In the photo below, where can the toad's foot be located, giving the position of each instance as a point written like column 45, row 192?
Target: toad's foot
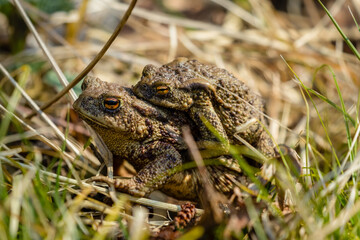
column 126, row 185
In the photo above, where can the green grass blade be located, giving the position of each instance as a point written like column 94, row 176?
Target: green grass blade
column 343, row 109
column 346, row 39
column 308, row 178
column 317, row 111
column 13, row 101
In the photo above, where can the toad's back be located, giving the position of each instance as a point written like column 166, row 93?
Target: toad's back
column 207, row 90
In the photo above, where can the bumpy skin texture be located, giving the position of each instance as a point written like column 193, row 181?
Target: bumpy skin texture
column 149, row 137
column 211, row 92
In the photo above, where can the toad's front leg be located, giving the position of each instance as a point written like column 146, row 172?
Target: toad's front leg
column 209, row 145
column 153, row 175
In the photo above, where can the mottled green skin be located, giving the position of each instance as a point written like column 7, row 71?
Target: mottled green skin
column 149, row 137
column 211, row 92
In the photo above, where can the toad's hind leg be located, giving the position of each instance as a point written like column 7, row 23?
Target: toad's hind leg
column 208, row 143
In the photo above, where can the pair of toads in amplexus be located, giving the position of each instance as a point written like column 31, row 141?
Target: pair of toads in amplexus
column 144, row 126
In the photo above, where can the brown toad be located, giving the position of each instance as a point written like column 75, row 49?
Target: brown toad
column 210, row 93
column 149, row 137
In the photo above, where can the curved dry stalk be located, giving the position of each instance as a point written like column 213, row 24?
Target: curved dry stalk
column 92, row 64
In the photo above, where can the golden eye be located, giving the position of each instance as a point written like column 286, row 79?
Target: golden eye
column 162, row 90
column 112, row 103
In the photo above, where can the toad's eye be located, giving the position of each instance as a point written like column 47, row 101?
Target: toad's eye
column 112, row 103
column 162, row 90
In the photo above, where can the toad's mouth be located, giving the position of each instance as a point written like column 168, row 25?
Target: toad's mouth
column 91, row 120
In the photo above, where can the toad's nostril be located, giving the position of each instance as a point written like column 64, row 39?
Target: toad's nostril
column 94, row 82
column 140, row 88
column 87, row 81
column 84, row 85
column 143, row 87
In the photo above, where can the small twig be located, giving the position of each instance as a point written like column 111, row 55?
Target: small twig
column 91, row 65
column 209, row 190
column 195, row 153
